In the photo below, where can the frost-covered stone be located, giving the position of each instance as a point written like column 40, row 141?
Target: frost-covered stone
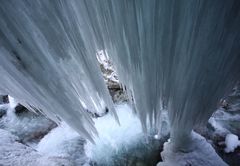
column 28, row 126
column 13, row 153
column 111, row 78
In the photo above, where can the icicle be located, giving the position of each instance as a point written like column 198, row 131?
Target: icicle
column 177, row 55
column 48, row 60
column 182, row 55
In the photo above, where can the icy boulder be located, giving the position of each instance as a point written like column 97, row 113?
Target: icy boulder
column 14, row 153
column 202, row 154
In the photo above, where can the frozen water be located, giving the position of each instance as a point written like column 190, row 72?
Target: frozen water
column 52, row 66
column 50, row 144
column 12, row 102
column 202, row 154
column 179, row 55
column 175, row 54
column 64, row 142
column 112, row 137
column 125, row 144
column 116, row 145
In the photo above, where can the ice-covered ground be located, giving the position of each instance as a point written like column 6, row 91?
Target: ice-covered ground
column 28, row 126
column 115, row 145
column 19, row 133
column 202, row 153
column 14, row 153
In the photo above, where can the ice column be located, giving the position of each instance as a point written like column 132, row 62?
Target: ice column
column 180, row 55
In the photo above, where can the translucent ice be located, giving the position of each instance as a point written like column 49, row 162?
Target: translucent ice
column 179, row 55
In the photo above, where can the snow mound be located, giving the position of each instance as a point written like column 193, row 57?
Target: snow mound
column 231, row 142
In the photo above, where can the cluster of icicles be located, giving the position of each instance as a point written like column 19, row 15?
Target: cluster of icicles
column 170, row 54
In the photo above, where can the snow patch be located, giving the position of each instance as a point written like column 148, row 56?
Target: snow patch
column 12, row 102
column 232, row 142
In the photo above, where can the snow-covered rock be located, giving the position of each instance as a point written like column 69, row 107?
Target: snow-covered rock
column 107, row 69
column 227, row 120
column 111, row 78
column 4, row 99
column 13, row 153
column 227, row 117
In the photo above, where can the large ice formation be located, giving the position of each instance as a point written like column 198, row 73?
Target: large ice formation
column 203, row 154
column 180, row 55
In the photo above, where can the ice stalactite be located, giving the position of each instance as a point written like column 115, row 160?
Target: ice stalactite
column 179, row 55
column 48, row 61
column 182, row 55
